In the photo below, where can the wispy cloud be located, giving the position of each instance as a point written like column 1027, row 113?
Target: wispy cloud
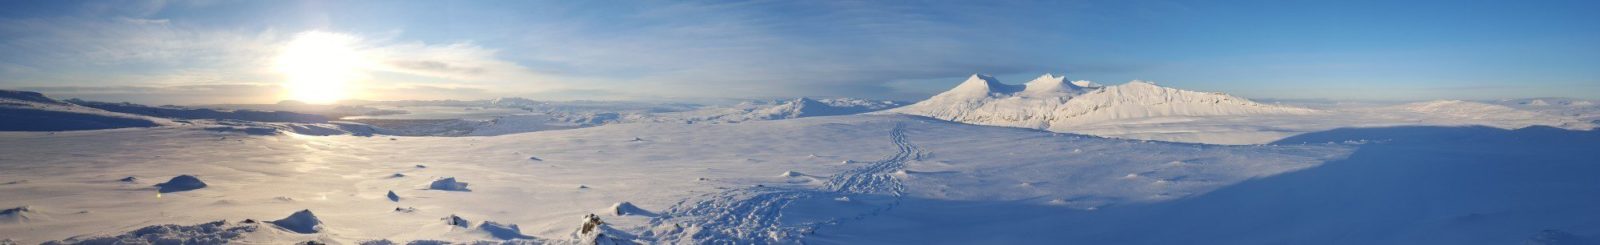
column 127, row 55
column 788, row 48
column 455, row 61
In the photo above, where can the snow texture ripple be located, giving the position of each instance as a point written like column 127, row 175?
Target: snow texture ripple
column 755, row 215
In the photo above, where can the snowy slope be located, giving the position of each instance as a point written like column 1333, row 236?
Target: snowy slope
column 31, row 111
column 1050, row 102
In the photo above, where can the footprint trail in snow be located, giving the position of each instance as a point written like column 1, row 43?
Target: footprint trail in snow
column 755, row 215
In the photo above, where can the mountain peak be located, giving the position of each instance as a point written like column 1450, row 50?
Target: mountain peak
column 1049, row 85
column 1142, row 83
column 981, row 85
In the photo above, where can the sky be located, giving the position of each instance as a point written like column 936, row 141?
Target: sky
column 214, row 52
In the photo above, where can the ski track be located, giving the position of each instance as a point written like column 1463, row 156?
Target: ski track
column 754, row 215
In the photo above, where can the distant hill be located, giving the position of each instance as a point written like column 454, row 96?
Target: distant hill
column 32, row 111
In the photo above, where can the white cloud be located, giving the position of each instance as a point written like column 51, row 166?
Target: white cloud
column 456, row 61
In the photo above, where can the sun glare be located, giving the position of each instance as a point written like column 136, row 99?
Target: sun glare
column 319, row 67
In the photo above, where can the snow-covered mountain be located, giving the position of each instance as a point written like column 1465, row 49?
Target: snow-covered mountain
column 775, row 110
column 1051, row 102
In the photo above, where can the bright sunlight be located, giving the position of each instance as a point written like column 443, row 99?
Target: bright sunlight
column 319, row 67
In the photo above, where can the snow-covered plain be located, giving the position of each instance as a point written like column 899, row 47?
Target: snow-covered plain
column 849, row 179
column 71, row 180
column 1438, row 172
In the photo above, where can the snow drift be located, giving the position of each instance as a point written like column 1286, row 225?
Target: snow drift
column 181, row 183
column 302, row 221
column 501, row 231
column 17, row 215
column 626, row 208
column 448, row 184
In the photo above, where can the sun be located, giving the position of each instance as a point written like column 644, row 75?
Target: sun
column 319, row 67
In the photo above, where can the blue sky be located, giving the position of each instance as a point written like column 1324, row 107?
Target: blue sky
column 192, row 52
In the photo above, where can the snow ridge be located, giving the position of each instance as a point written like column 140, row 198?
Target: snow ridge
column 32, row 111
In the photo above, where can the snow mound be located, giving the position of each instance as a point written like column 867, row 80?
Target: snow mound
column 181, row 183
column 454, row 220
column 502, row 231
column 32, row 111
column 216, row 232
column 626, row 208
column 16, row 215
column 791, row 174
column 303, row 222
column 448, row 184
column 1050, row 102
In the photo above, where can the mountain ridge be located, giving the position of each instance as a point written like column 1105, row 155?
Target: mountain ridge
column 1051, row 102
